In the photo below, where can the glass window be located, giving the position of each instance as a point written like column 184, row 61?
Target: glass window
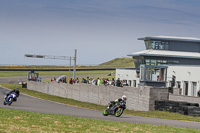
column 153, row 44
column 159, row 45
column 148, row 73
column 153, row 62
column 138, row 62
column 142, row 71
column 147, row 62
column 162, row 74
column 166, row 47
column 148, row 45
column 164, row 62
column 159, row 62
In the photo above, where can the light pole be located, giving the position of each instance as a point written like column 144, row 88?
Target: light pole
column 57, row 57
column 75, row 55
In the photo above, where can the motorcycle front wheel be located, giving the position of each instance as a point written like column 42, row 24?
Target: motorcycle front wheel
column 105, row 113
column 10, row 101
column 119, row 112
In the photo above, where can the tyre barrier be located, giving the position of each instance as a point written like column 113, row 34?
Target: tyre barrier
column 184, row 108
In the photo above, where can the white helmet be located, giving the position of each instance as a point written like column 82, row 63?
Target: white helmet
column 124, row 98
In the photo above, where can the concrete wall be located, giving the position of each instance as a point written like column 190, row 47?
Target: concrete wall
column 190, row 99
column 157, row 94
column 139, row 99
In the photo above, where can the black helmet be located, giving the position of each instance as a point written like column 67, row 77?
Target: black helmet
column 16, row 89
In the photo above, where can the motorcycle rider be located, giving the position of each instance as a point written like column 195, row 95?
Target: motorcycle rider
column 16, row 91
column 117, row 101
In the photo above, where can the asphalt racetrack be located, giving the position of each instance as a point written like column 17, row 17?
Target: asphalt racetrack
column 32, row 104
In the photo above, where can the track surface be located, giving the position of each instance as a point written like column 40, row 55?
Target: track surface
column 32, row 104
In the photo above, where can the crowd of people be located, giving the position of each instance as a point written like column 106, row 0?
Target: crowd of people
column 93, row 81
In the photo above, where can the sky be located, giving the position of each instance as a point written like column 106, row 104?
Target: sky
column 100, row 30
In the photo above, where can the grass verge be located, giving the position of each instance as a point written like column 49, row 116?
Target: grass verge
column 23, row 121
column 153, row 114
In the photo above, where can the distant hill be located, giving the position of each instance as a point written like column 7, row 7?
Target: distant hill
column 119, row 62
column 115, row 63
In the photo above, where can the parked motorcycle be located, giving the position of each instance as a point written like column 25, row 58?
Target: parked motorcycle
column 116, row 109
column 9, row 99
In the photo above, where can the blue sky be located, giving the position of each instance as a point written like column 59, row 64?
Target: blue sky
column 100, row 30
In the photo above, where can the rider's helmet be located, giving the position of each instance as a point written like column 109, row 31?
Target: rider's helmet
column 16, row 89
column 124, row 98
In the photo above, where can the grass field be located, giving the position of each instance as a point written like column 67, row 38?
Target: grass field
column 154, row 114
column 23, row 121
column 41, row 73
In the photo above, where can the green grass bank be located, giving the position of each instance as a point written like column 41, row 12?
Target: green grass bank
column 29, row 122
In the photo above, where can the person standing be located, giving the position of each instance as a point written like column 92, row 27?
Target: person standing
column 118, row 82
column 77, row 81
column 71, row 81
column 198, row 93
column 98, row 81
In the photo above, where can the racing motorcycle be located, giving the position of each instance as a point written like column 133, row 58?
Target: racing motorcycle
column 116, row 109
column 10, row 98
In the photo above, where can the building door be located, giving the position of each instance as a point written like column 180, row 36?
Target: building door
column 186, row 88
column 129, row 83
column 134, row 83
column 194, row 88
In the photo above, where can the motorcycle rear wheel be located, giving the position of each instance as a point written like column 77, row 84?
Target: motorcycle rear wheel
column 119, row 112
column 4, row 102
column 105, row 113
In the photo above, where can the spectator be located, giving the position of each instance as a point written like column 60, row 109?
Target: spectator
column 118, row 83
column 198, row 93
column 77, row 81
column 82, row 81
column 71, row 81
column 88, row 79
column 124, row 83
column 105, row 82
column 94, row 81
column 113, row 82
column 65, row 80
column 40, row 79
column 98, row 82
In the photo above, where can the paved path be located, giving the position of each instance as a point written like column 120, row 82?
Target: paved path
column 29, row 103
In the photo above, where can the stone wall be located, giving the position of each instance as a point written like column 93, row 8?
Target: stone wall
column 139, row 99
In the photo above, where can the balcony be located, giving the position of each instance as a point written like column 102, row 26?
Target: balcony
column 153, row 75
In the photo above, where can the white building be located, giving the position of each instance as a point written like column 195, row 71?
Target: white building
column 167, row 61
